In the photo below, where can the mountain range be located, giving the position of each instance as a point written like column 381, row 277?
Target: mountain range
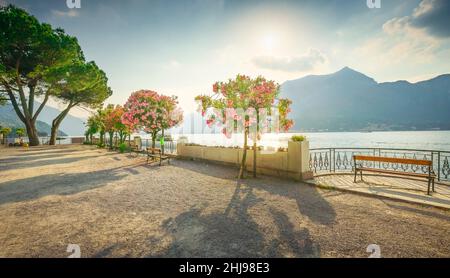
column 348, row 100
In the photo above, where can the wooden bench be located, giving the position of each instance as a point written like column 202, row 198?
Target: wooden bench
column 156, row 154
column 134, row 148
column 430, row 176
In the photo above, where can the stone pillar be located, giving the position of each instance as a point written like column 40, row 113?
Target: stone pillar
column 138, row 142
column 180, row 146
column 298, row 160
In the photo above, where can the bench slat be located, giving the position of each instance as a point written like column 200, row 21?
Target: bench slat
column 394, row 160
column 395, row 172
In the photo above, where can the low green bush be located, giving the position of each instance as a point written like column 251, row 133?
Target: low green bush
column 122, row 148
column 298, row 138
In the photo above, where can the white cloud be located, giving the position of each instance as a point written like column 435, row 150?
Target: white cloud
column 404, row 44
column 69, row 13
column 431, row 16
column 305, row 62
column 424, row 7
column 172, row 64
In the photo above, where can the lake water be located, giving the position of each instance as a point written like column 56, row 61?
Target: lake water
column 425, row 140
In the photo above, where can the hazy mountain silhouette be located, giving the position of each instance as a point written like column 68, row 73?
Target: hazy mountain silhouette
column 70, row 126
column 348, row 100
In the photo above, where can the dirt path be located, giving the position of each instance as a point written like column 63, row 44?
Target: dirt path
column 113, row 205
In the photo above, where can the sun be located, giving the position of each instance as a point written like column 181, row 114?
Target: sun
column 269, row 41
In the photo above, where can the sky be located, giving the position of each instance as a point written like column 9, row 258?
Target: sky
column 181, row 47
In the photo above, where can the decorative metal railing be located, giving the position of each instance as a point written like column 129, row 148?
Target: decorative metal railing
column 169, row 146
column 333, row 160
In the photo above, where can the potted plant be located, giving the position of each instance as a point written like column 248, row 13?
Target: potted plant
column 298, row 138
column 20, row 132
column 298, row 141
column 5, row 131
column 298, row 146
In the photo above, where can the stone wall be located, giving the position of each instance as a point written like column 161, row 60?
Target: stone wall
column 293, row 164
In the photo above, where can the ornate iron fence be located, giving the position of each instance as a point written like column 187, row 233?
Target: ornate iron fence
column 333, row 160
column 169, row 146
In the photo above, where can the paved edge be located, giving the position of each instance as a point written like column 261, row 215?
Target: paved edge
column 379, row 195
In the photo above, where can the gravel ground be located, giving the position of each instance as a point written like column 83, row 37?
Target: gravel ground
column 114, row 205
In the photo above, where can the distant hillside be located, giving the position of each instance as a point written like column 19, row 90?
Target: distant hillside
column 348, row 100
column 70, row 126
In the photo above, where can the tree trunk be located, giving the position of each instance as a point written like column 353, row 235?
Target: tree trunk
column 153, row 141
column 111, row 135
column 102, row 138
column 120, row 137
column 25, row 111
column 129, row 142
column 255, row 147
column 32, row 133
column 244, row 155
column 162, row 145
column 57, row 122
column 53, row 134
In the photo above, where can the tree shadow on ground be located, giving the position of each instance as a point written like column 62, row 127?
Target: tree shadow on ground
column 290, row 240
column 27, row 155
column 196, row 234
column 310, row 201
column 51, row 151
column 233, row 233
column 43, row 162
column 57, row 184
column 26, row 158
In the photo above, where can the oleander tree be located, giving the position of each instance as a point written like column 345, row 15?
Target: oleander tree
column 151, row 112
column 121, row 129
column 108, row 121
column 248, row 105
column 96, row 124
column 92, row 127
column 113, row 123
column 170, row 116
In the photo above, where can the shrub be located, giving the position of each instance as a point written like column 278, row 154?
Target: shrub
column 122, row 148
column 298, row 138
